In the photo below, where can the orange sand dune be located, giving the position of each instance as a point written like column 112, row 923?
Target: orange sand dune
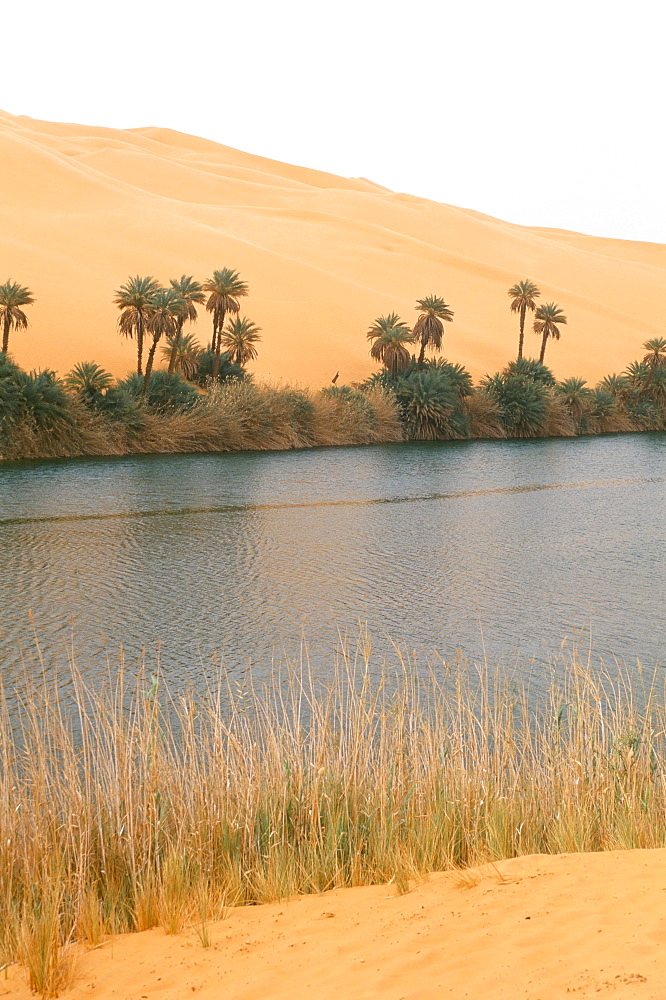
column 535, row 928
column 82, row 208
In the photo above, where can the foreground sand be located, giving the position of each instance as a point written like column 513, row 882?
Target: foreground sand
column 540, row 927
column 83, row 207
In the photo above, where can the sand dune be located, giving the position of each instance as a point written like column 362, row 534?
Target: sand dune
column 534, row 928
column 82, row 208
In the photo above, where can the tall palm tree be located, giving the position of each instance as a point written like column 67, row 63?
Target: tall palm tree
column 12, row 317
column 192, row 294
column 655, row 358
column 523, row 297
column 239, row 339
column 390, row 335
column 225, row 288
column 429, row 328
column 134, row 300
column 182, row 352
column 162, row 321
column 548, row 319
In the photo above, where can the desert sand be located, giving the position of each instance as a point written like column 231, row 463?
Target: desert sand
column 83, row 208
column 538, row 928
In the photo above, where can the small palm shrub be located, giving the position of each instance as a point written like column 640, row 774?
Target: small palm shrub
column 10, row 394
column 166, row 392
column 523, row 403
column 606, row 415
column 94, row 388
column 530, row 368
column 88, row 380
column 228, row 370
column 431, row 406
column 577, row 397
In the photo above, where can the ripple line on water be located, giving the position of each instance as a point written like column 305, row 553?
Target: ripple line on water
column 363, row 502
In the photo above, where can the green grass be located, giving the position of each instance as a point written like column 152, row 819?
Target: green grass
column 130, row 808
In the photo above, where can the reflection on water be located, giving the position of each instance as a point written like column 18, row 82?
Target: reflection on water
column 511, row 547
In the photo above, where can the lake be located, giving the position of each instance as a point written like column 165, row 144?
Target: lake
column 510, row 548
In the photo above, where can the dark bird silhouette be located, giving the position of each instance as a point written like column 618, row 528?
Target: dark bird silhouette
column 335, row 378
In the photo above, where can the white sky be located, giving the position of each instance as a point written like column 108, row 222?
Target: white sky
column 538, row 113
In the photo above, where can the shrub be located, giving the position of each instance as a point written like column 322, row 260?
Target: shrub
column 530, row 368
column 430, row 406
column 577, row 398
column 166, row 392
column 228, row 370
column 523, row 403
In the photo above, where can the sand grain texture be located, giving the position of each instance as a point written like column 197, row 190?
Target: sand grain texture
column 82, row 208
column 538, row 928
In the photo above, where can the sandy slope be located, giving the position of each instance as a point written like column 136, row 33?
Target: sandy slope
column 535, row 928
column 82, row 208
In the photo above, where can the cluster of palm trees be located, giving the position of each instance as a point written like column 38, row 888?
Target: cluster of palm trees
column 392, row 338
column 150, row 312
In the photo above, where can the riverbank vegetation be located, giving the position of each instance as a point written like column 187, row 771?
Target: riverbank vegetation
column 206, row 400
column 133, row 807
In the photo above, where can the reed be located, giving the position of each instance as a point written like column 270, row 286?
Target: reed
column 134, row 806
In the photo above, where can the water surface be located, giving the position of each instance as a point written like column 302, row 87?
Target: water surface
column 508, row 547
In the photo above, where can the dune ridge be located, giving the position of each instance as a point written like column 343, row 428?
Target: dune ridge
column 83, row 207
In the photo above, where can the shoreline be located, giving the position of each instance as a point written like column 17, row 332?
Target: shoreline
column 537, row 925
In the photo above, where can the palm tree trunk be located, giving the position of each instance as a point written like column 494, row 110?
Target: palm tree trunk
column 139, row 344
column 5, row 333
column 174, row 349
column 218, row 344
column 543, row 346
column 149, row 366
column 522, row 331
column 422, row 353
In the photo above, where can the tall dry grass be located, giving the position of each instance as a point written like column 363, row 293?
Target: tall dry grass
column 235, row 416
column 131, row 807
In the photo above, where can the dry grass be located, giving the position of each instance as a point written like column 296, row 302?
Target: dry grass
column 130, row 808
column 485, row 415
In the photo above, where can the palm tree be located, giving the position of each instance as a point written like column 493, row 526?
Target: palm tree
column 548, row 319
column 182, row 352
column 162, row 321
column 239, row 339
column 655, row 358
column 134, row 300
column 225, row 288
column 192, row 294
column 12, row 297
column 429, row 328
column 523, row 295
column 390, row 335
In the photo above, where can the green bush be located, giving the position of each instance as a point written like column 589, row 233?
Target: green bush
column 523, row 403
column 228, row 370
column 430, row 405
column 530, row 368
column 166, row 391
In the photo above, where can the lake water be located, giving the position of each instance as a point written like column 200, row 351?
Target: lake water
column 508, row 547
